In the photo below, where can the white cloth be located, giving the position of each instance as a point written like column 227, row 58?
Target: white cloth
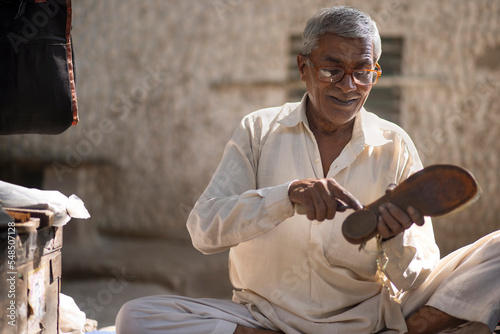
column 71, row 318
column 301, row 277
column 64, row 208
column 182, row 315
column 465, row 284
column 304, row 276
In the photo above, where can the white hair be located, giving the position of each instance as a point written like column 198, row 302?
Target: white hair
column 343, row 21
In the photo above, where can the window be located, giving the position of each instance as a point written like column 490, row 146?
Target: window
column 385, row 100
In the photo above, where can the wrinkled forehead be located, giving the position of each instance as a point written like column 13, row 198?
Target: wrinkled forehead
column 337, row 49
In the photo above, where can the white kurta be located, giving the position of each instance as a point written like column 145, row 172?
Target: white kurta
column 303, row 276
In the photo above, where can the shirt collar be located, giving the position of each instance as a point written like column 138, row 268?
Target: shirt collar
column 366, row 129
column 294, row 113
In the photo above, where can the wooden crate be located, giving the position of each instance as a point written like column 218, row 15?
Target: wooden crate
column 30, row 283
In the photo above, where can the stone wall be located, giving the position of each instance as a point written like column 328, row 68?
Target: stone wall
column 162, row 85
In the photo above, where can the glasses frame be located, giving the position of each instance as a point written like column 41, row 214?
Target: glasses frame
column 377, row 70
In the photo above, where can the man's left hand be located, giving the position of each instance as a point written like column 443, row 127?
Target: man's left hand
column 394, row 220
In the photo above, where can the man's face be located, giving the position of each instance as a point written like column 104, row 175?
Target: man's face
column 335, row 104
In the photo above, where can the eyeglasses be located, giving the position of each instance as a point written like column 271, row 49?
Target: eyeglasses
column 335, row 74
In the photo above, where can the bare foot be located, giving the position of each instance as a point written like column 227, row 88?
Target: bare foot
column 430, row 320
column 247, row 330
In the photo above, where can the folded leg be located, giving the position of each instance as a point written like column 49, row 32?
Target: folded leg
column 176, row 314
column 464, row 285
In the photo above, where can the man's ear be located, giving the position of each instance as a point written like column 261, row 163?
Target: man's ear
column 301, row 64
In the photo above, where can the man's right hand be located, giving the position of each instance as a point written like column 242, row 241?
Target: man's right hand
column 319, row 197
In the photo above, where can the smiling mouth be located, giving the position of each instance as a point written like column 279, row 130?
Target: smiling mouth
column 344, row 101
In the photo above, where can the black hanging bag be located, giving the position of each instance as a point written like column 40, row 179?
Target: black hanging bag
column 37, row 79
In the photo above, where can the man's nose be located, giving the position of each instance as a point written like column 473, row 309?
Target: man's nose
column 347, row 83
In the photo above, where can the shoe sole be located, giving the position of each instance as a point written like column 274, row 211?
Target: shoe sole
column 435, row 191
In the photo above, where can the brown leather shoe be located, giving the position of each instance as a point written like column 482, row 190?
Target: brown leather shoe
column 434, row 191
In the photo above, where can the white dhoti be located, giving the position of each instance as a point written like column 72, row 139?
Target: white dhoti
column 182, row 315
column 465, row 284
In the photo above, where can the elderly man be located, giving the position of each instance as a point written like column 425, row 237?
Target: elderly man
column 296, row 273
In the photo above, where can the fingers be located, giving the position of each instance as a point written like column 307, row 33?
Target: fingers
column 311, row 194
column 415, row 216
column 393, row 220
column 321, row 198
column 344, row 195
column 323, row 206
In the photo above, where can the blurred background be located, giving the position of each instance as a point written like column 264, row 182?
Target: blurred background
column 162, row 84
